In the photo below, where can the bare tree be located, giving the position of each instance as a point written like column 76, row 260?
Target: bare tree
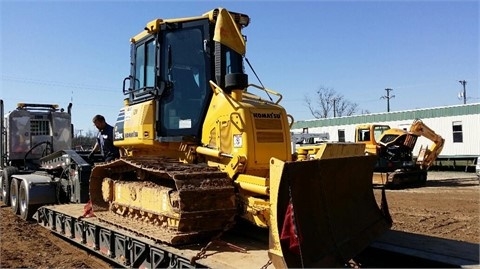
column 322, row 105
column 328, row 102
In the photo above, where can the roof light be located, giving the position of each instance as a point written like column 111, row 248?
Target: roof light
column 241, row 19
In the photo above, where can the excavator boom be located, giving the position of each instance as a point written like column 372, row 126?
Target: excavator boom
column 426, row 157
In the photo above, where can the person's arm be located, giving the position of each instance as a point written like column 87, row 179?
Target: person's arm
column 95, row 148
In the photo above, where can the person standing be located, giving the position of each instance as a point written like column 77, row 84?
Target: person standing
column 104, row 140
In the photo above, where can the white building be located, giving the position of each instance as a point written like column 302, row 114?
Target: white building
column 459, row 125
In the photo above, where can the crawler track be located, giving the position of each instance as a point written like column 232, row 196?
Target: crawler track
column 163, row 199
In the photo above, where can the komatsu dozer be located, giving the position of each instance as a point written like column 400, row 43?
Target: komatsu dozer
column 201, row 151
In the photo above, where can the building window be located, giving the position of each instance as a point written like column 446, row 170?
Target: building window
column 457, row 132
column 341, row 135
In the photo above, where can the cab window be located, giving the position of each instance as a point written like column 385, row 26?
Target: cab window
column 144, row 67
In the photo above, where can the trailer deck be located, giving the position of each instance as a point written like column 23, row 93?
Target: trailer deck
column 237, row 250
column 128, row 249
column 444, row 252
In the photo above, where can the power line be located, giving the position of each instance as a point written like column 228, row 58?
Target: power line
column 56, row 83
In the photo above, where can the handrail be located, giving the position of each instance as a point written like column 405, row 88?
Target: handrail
column 268, row 91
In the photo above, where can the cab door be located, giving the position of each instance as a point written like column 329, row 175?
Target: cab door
column 185, row 71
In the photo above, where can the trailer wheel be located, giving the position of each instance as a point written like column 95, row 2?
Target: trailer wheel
column 14, row 196
column 26, row 210
column 6, row 179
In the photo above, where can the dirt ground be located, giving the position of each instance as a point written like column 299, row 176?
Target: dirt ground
column 448, row 207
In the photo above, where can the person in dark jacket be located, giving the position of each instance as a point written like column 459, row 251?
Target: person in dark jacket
column 104, row 140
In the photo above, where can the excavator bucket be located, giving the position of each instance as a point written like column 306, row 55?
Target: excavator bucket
column 323, row 211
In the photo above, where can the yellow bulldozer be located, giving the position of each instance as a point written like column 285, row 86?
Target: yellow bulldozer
column 202, row 152
column 393, row 147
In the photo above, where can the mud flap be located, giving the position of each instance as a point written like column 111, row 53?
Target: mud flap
column 335, row 212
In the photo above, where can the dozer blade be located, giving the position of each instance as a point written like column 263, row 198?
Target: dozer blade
column 335, row 213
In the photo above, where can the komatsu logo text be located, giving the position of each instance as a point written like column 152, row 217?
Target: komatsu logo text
column 267, row 115
column 132, row 134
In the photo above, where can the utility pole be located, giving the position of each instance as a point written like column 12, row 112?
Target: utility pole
column 463, row 82
column 332, row 101
column 334, row 107
column 388, row 97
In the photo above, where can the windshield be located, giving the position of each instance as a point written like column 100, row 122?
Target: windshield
column 185, row 69
column 378, row 131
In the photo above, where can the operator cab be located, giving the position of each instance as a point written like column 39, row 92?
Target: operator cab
column 364, row 132
column 172, row 63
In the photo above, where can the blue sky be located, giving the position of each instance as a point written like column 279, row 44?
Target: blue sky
column 62, row 51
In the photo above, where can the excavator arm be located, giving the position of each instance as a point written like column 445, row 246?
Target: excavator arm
column 427, row 156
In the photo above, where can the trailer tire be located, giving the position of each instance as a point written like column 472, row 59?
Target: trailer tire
column 26, row 210
column 6, row 179
column 14, row 196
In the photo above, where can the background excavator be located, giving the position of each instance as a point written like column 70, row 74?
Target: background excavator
column 203, row 156
column 394, row 148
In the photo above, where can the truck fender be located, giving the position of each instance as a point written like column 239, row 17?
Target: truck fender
column 39, row 189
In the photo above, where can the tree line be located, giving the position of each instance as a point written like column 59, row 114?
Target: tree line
column 84, row 142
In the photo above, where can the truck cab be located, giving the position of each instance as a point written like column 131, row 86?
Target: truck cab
column 33, row 131
column 37, row 164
